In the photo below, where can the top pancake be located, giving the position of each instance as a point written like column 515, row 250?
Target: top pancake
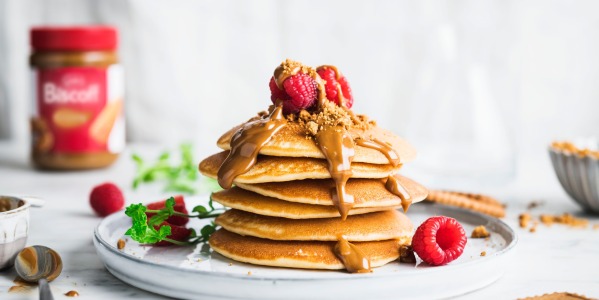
column 277, row 169
column 291, row 141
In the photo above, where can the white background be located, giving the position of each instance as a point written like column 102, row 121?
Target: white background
column 513, row 75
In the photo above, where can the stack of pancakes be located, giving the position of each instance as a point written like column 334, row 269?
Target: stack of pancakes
column 283, row 211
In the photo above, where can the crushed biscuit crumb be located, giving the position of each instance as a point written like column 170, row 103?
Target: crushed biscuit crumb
column 330, row 114
column 570, row 148
column 524, row 219
column 546, row 219
column 564, row 219
column 556, row 295
column 484, row 253
column 480, row 232
column 249, row 273
column 120, row 244
column 534, row 204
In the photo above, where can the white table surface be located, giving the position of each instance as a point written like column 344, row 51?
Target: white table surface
column 552, row 259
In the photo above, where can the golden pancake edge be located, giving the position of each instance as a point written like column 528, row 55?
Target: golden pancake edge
column 241, row 199
column 366, row 192
column 298, row 254
column 276, row 169
column 382, row 225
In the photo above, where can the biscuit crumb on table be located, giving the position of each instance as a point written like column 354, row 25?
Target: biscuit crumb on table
column 534, row 204
column 557, row 296
column 524, row 218
column 565, row 219
column 548, row 220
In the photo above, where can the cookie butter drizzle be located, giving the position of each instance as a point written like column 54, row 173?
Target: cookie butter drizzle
column 337, row 145
column 382, row 147
column 246, row 143
column 352, row 257
column 338, row 148
column 394, row 186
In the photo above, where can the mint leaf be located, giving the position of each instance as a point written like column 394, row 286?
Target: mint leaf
column 200, row 209
column 142, row 230
column 208, row 230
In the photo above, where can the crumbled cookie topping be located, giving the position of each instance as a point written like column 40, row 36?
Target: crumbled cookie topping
column 329, row 114
column 480, row 232
column 569, row 147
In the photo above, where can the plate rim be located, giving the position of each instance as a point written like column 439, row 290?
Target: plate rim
column 115, row 251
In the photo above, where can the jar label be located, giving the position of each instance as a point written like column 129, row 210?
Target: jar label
column 79, row 110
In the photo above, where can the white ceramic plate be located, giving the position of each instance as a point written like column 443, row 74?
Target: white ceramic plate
column 195, row 272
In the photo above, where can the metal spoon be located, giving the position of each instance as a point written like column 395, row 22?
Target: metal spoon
column 39, row 264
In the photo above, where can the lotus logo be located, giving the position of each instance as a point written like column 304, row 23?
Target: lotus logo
column 72, row 80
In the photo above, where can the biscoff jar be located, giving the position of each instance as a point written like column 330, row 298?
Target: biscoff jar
column 78, row 89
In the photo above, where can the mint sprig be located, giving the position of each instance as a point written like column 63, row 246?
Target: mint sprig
column 151, row 231
column 179, row 176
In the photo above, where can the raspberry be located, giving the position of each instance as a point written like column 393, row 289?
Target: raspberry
column 179, row 206
column 333, row 85
column 178, row 233
column 106, row 199
column 439, row 240
column 299, row 92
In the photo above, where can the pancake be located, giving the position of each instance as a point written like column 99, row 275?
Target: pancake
column 276, row 169
column 376, row 226
column 366, row 192
column 291, row 141
column 267, row 206
column 298, row 254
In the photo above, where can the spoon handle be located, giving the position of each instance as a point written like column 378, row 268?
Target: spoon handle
column 45, row 292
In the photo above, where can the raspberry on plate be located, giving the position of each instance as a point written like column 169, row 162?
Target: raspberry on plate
column 178, row 233
column 106, row 198
column 179, row 207
column 336, row 83
column 439, row 240
column 299, row 92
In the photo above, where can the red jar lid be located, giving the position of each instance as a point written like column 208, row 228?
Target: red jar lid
column 80, row 38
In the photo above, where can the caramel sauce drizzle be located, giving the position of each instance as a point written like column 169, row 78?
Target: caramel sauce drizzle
column 18, row 288
column 72, row 293
column 382, row 147
column 394, row 186
column 340, row 98
column 338, row 148
column 246, row 143
column 352, row 257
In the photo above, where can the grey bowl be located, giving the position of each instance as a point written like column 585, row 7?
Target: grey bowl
column 579, row 176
